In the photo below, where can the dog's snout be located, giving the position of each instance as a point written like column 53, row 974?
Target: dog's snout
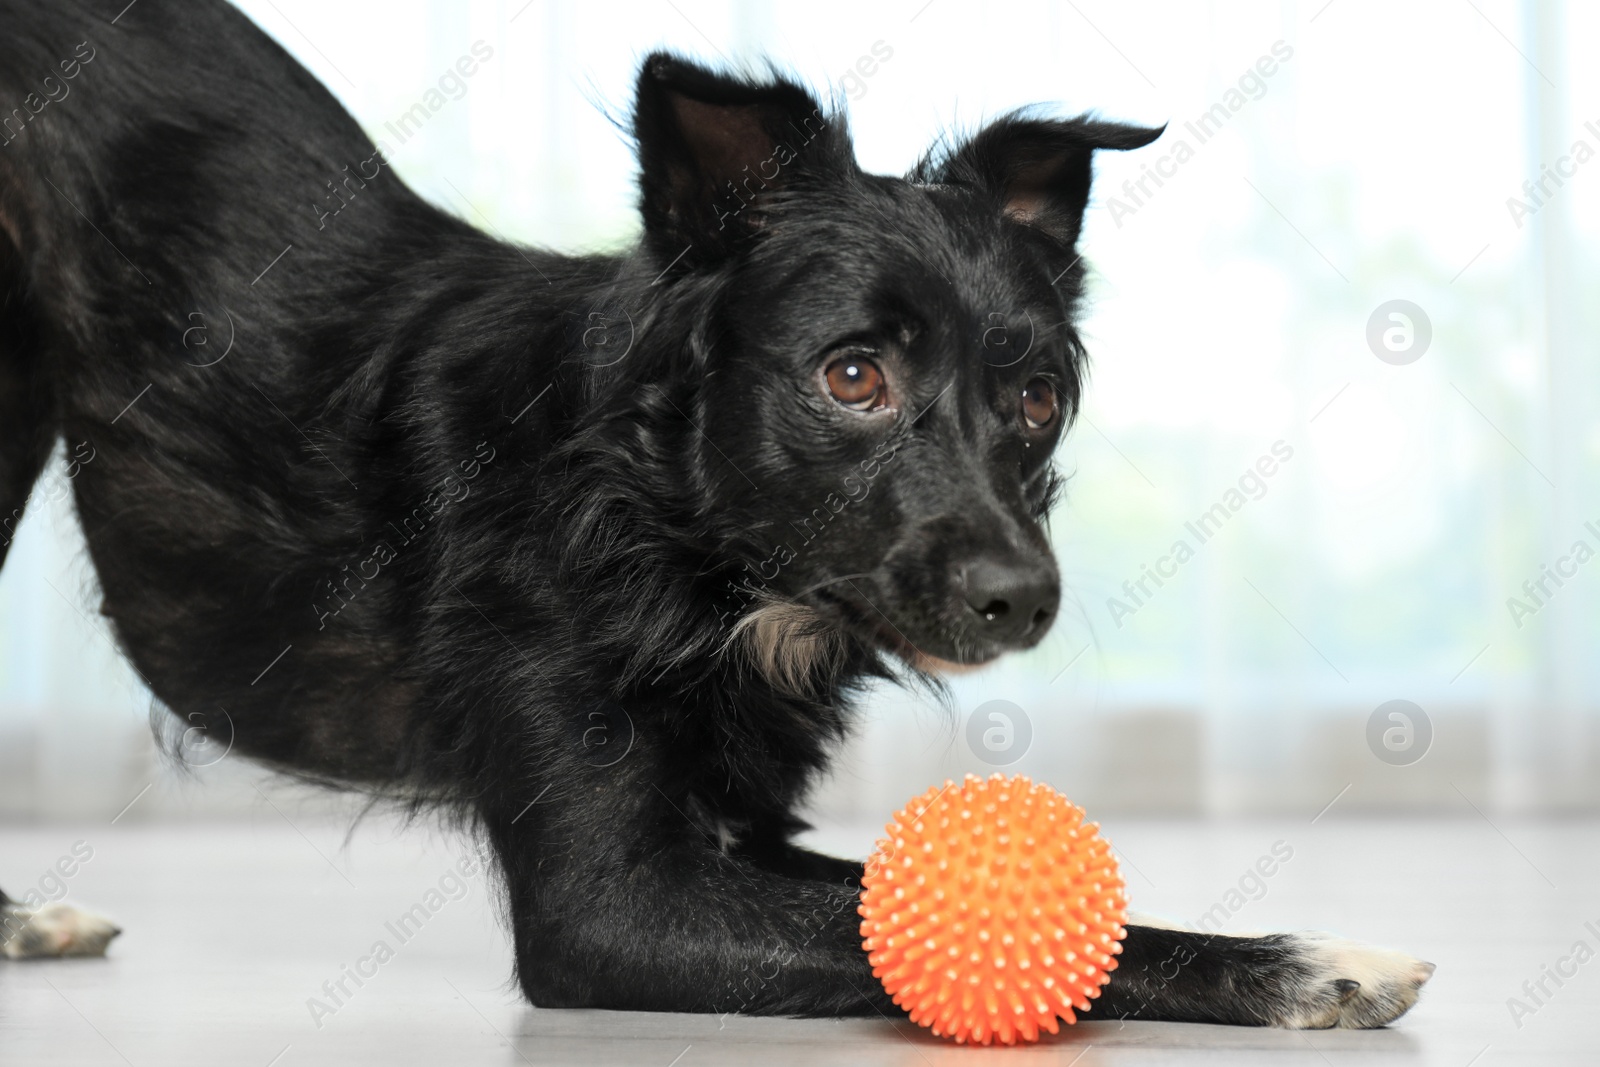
column 1011, row 599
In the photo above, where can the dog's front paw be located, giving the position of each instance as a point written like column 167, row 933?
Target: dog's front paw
column 53, row 929
column 1348, row 985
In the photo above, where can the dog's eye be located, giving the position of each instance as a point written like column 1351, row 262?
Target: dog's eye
column 856, row 383
column 1039, row 404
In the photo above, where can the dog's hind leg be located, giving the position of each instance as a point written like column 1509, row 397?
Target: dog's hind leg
column 28, row 422
column 50, row 930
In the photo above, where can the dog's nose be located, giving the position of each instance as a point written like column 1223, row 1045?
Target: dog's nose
column 1010, row 600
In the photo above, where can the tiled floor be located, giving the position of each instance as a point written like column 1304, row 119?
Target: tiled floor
column 233, row 928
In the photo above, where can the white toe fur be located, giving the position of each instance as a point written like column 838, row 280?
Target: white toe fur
column 1386, row 984
column 53, row 930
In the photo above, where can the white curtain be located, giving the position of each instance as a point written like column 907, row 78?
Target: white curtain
column 1367, row 519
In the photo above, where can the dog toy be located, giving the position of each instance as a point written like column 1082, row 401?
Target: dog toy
column 991, row 909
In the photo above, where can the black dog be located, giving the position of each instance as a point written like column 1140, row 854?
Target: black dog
column 589, row 551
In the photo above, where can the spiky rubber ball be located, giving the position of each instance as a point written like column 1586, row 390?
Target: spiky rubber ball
column 990, row 910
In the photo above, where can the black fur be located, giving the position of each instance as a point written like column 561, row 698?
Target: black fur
column 576, row 548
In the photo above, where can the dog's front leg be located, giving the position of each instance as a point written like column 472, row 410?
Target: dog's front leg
column 620, row 898
column 1299, row 981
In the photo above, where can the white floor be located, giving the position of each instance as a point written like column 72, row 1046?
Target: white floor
column 233, row 927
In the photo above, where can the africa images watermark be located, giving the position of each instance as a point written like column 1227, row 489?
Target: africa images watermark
column 853, row 81
column 344, row 189
column 54, row 91
column 1251, row 85
column 1538, row 192
column 1399, row 732
column 1137, row 592
column 1399, row 332
column 342, row 194
column 49, row 491
column 452, row 85
column 1251, row 885
column 52, row 886
column 750, row 587
column 999, row 733
column 1537, row 591
column 451, row 886
column 819, row 921
column 345, row 585
column 739, row 195
column 1536, row 992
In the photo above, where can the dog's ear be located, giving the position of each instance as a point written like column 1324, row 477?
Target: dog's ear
column 713, row 150
column 1038, row 170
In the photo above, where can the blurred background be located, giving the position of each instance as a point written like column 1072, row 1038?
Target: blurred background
column 1336, row 488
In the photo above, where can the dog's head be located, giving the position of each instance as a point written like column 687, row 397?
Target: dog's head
column 889, row 364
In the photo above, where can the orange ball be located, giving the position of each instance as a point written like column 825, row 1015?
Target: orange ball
column 991, row 909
